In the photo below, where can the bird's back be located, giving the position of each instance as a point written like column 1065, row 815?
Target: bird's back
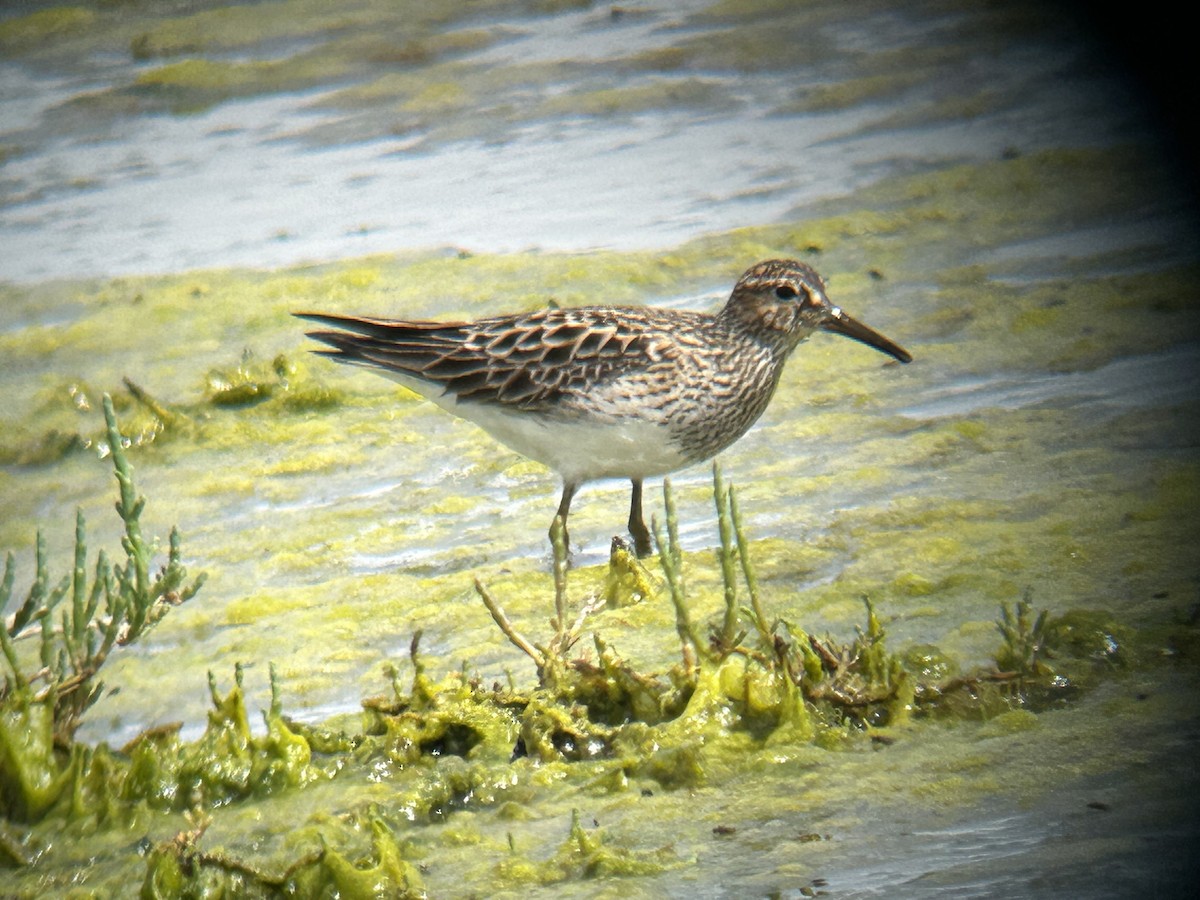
column 536, row 361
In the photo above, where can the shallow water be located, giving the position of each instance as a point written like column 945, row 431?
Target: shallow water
column 1003, row 184
column 1169, row 378
column 158, row 193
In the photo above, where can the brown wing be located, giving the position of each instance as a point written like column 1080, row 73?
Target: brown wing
column 531, row 361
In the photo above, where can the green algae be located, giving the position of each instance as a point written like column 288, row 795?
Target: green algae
column 289, row 22
column 190, row 85
column 408, row 67
column 44, row 26
column 238, row 26
column 825, row 98
column 667, row 732
column 628, row 581
column 411, row 69
column 32, row 781
column 180, row 868
column 241, row 50
column 658, row 94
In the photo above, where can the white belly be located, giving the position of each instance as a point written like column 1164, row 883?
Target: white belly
column 582, row 451
column 579, row 450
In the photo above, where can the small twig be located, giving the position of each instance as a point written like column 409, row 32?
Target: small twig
column 506, row 626
column 829, row 660
column 755, row 655
column 589, row 607
column 162, row 413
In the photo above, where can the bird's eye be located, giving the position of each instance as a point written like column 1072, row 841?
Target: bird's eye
column 785, row 292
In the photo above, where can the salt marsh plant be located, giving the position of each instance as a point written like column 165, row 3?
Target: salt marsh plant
column 767, row 672
column 56, row 642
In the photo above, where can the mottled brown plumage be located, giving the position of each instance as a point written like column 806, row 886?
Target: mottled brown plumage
column 599, row 392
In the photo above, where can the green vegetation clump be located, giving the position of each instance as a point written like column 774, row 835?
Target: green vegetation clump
column 280, row 385
column 179, row 868
column 43, row 698
column 254, row 381
column 749, row 671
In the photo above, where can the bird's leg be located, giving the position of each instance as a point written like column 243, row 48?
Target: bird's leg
column 637, row 525
column 564, row 507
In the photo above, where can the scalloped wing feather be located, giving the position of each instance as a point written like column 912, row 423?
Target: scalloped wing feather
column 531, row 361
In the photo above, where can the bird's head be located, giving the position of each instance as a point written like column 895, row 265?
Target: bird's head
column 785, row 301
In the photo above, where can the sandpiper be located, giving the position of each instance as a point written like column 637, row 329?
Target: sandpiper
column 605, row 392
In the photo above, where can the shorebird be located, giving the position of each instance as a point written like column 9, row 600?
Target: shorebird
column 609, row 392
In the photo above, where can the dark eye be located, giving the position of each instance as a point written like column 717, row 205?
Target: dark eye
column 785, row 292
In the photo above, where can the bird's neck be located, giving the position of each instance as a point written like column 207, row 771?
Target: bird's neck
column 775, row 332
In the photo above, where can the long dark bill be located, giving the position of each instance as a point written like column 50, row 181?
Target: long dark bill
column 840, row 323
